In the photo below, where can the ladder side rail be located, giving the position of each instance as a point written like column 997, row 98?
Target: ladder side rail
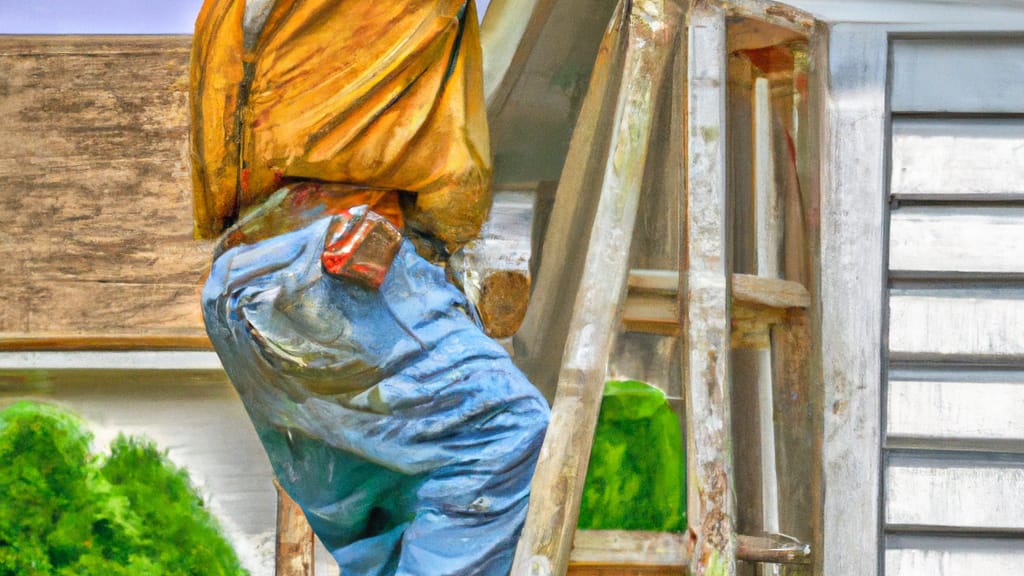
column 705, row 307
column 557, row 488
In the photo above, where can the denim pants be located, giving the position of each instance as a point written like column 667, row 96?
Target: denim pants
column 406, row 435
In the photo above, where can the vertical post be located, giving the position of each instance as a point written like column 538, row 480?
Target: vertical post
column 705, row 287
column 768, row 224
column 294, row 539
column 853, row 87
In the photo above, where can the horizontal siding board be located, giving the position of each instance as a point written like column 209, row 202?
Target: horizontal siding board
column 957, row 158
column 966, row 75
column 957, row 238
column 973, row 323
column 954, row 492
column 977, row 412
column 949, row 555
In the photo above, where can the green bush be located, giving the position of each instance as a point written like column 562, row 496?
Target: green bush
column 68, row 512
column 635, row 478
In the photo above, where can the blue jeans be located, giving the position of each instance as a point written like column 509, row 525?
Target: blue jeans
column 406, row 435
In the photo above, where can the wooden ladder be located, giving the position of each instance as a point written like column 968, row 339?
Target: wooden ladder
column 647, row 65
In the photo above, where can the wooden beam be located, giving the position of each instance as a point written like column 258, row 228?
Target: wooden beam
column 748, row 290
column 546, row 540
column 705, row 312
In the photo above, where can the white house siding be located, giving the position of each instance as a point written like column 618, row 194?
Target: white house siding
column 953, row 453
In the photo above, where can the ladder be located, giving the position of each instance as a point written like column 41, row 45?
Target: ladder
column 658, row 58
column 643, row 69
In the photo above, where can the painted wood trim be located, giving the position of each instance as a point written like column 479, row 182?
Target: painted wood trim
column 100, row 342
column 705, row 312
column 557, row 486
column 853, row 212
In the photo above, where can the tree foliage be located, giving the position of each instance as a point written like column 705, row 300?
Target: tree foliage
column 69, row 512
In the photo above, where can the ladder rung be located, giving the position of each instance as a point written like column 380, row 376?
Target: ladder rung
column 771, row 292
column 623, row 548
column 757, row 303
column 668, row 553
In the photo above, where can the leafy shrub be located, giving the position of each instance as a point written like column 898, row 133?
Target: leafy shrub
column 68, row 512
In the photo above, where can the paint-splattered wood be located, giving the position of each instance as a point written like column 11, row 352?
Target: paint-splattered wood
column 796, row 359
column 705, row 312
column 776, row 13
column 649, row 33
column 627, row 552
column 94, row 189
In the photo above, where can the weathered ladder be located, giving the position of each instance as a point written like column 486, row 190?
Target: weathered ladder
column 641, row 52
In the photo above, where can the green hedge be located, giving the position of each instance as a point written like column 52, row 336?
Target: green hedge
column 68, row 512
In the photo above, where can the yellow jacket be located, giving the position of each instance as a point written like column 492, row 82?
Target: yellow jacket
column 369, row 93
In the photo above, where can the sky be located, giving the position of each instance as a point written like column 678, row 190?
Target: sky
column 98, row 16
column 103, row 16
